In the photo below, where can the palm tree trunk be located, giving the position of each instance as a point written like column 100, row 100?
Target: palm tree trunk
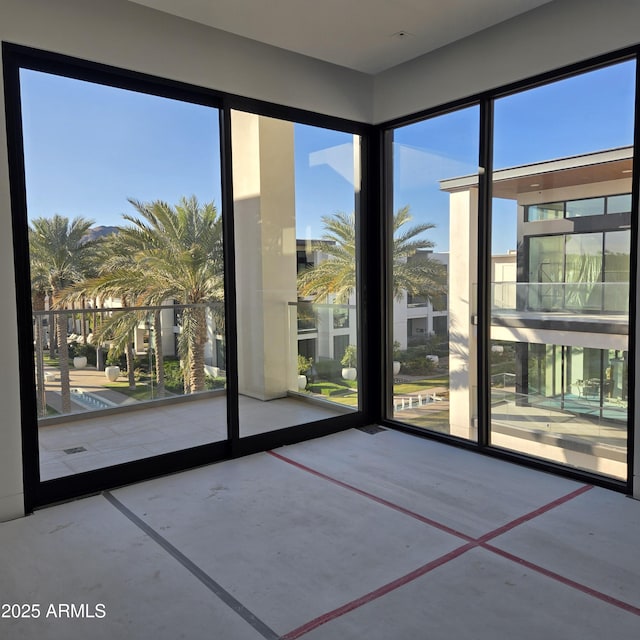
column 130, row 372
column 129, row 355
column 63, row 362
column 40, row 391
column 53, row 330
column 157, row 345
column 197, row 341
column 83, row 328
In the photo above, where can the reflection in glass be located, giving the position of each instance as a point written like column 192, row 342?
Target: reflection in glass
column 432, row 377
column 296, row 191
column 587, row 207
column 548, row 211
column 560, row 287
column 619, row 204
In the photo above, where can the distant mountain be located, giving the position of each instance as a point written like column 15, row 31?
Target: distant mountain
column 100, row 232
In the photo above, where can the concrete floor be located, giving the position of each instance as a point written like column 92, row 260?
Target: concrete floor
column 380, row 536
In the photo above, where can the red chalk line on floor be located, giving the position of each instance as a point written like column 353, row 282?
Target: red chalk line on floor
column 472, row 543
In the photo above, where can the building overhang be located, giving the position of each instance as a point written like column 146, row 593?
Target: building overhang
column 602, row 166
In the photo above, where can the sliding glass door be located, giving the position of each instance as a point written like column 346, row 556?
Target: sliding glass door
column 508, row 288
column 189, row 274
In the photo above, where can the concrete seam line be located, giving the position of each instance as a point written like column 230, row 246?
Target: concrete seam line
column 195, row 570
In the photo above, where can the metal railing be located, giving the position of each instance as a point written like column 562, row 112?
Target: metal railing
column 103, row 358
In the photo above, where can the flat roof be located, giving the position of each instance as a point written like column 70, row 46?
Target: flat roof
column 601, row 166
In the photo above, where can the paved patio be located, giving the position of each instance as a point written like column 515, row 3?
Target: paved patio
column 89, row 440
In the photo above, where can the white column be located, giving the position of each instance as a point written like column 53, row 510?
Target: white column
column 463, row 240
column 265, row 244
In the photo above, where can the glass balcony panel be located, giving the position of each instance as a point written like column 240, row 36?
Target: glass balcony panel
column 574, row 412
column 129, row 387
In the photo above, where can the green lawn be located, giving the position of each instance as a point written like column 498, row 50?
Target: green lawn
column 142, row 391
column 343, row 392
column 421, row 385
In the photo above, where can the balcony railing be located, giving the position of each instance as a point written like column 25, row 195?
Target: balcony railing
column 576, row 297
column 98, row 376
column 122, row 356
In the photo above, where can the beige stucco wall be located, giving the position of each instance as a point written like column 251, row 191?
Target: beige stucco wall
column 265, row 245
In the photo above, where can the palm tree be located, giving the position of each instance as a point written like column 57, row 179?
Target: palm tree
column 60, row 255
column 170, row 253
column 414, row 270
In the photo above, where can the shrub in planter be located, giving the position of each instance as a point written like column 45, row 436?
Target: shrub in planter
column 328, row 369
column 83, row 350
column 349, row 362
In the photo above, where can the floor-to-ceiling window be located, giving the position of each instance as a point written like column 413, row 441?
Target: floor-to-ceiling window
column 296, row 190
column 124, row 215
column 194, row 273
column 433, row 235
column 559, row 318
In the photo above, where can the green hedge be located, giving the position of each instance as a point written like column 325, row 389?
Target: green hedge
column 328, row 369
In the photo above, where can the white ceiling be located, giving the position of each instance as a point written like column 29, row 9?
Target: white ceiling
column 359, row 34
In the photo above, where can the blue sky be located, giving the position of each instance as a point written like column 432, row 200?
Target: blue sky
column 89, row 147
column 582, row 114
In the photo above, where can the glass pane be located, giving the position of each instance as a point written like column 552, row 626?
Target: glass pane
column 588, row 207
column 435, row 200
column 125, row 236
column 583, row 271
column 549, row 211
column 296, row 191
column 617, row 246
column 546, row 271
column 619, row 204
column 559, row 320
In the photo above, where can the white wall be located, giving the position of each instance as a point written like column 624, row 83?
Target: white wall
column 11, row 496
column 134, row 37
column 556, row 34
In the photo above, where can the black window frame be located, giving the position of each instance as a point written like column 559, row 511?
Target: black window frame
column 39, row 493
column 486, row 101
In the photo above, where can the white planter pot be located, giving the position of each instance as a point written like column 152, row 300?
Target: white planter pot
column 302, row 382
column 80, row 362
column 112, row 373
column 396, row 367
column 349, row 373
column 434, row 359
